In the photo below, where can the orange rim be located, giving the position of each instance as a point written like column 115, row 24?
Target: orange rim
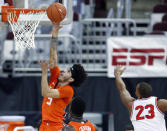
column 4, row 13
column 6, row 10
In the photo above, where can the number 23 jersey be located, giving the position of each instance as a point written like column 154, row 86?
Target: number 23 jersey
column 146, row 116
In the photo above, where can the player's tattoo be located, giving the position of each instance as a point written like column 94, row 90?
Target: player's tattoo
column 54, row 42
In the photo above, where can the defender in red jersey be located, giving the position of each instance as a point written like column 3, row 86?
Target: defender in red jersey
column 147, row 111
column 59, row 91
column 77, row 123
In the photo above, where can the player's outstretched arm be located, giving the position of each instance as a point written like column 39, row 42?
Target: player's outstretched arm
column 162, row 104
column 46, row 91
column 53, row 44
column 124, row 94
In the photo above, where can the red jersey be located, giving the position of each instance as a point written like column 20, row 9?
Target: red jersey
column 53, row 108
column 82, row 126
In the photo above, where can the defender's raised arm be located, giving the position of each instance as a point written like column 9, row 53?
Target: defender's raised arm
column 126, row 98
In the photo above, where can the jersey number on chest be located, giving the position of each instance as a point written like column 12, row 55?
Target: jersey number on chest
column 150, row 112
column 49, row 102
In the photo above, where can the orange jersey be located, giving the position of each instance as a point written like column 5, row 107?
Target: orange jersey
column 53, row 108
column 50, row 126
column 82, row 126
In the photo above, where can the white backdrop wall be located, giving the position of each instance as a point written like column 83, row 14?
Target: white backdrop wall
column 142, row 56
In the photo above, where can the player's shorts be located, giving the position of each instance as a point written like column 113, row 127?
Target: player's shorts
column 50, row 126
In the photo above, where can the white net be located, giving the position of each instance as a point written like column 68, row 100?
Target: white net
column 24, row 28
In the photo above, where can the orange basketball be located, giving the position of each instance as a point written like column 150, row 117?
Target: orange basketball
column 56, row 12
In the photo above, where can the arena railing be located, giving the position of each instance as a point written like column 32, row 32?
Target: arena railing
column 88, row 49
column 25, row 62
column 109, row 22
column 94, row 35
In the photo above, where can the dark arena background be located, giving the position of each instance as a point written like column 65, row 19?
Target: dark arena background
column 102, row 34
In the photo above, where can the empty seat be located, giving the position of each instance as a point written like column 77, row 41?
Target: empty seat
column 87, row 2
column 75, row 16
column 161, row 8
column 160, row 27
column 10, row 2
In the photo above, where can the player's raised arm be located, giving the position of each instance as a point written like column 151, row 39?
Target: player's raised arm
column 124, row 94
column 53, row 44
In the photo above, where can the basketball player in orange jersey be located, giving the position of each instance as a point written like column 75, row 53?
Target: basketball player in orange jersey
column 77, row 123
column 146, row 112
column 59, row 91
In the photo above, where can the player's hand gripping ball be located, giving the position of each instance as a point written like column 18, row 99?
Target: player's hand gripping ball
column 56, row 12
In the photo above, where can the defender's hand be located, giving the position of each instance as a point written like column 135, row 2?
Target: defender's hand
column 119, row 70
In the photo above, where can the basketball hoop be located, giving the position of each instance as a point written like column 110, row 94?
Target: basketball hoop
column 24, row 23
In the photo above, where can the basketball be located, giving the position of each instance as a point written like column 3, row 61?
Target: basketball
column 56, row 12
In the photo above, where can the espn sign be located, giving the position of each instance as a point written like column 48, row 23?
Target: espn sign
column 137, row 57
column 140, row 59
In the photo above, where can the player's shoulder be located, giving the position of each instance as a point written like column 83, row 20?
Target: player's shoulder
column 87, row 121
column 55, row 68
column 95, row 127
column 162, row 105
column 68, row 87
column 68, row 128
column 161, row 102
column 54, row 73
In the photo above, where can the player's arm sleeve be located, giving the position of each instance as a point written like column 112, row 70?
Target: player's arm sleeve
column 68, row 128
column 54, row 74
column 65, row 91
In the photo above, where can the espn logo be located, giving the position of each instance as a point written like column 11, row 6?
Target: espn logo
column 138, row 57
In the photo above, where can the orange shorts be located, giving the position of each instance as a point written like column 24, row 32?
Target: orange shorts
column 50, row 126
